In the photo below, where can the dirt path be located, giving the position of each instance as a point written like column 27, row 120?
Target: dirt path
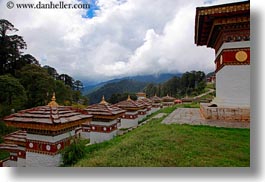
column 206, row 93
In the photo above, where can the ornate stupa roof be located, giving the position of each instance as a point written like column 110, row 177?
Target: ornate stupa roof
column 47, row 118
column 141, row 94
column 156, row 99
column 145, row 101
column 17, row 137
column 168, row 98
column 130, row 105
column 208, row 20
column 104, row 110
column 53, row 102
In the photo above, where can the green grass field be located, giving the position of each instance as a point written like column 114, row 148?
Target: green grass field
column 160, row 145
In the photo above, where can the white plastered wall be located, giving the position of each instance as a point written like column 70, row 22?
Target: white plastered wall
column 98, row 137
column 233, row 86
column 42, row 160
column 233, row 81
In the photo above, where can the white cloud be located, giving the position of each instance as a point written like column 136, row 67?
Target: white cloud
column 125, row 38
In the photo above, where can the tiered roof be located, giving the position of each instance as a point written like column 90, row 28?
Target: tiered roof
column 9, row 147
column 209, row 19
column 168, row 98
column 130, row 105
column 47, row 118
column 141, row 94
column 17, row 137
column 104, row 110
column 156, row 99
column 46, row 115
column 145, row 101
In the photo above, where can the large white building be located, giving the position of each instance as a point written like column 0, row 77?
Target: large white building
column 226, row 29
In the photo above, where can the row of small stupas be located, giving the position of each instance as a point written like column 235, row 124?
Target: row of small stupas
column 46, row 130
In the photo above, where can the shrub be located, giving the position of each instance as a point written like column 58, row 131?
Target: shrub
column 3, row 154
column 72, row 153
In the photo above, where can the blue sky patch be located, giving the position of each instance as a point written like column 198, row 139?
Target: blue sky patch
column 93, row 7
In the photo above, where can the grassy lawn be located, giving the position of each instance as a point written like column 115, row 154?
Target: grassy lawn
column 209, row 86
column 157, row 145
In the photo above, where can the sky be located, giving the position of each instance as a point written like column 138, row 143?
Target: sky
column 114, row 38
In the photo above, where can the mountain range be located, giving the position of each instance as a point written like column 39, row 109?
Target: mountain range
column 89, row 88
column 123, row 85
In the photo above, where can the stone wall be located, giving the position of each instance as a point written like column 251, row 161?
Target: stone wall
column 225, row 113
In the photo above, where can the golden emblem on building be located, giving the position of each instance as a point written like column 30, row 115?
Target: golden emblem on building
column 241, row 56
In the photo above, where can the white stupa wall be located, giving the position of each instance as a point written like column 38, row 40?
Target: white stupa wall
column 12, row 161
column 129, row 123
column 85, row 135
column 21, row 162
column 130, row 120
column 35, row 159
column 233, row 81
column 42, row 160
column 233, row 86
column 51, row 139
column 98, row 137
column 6, row 163
column 142, row 116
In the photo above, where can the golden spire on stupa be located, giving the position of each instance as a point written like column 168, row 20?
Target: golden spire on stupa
column 129, row 98
column 53, row 102
column 103, row 101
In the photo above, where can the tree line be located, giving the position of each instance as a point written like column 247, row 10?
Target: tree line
column 189, row 84
column 24, row 83
column 114, row 92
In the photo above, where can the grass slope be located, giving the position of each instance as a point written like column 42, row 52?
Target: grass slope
column 157, row 145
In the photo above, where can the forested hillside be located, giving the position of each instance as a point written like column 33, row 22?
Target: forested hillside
column 123, row 86
column 189, row 84
column 24, row 83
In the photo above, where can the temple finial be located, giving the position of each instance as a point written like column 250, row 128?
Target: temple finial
column 53, row 102
column 129, row 97
column 53, row 96
column 103, row 101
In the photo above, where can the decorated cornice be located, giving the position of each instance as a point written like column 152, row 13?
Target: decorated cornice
column 238, row 56
column 210, row 20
